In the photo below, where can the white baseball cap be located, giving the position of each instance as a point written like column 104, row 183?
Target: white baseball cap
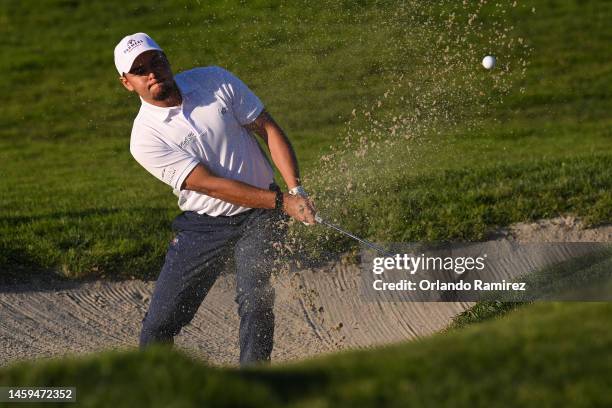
column 130, row 47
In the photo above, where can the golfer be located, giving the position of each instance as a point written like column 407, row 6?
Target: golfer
column 193, row 132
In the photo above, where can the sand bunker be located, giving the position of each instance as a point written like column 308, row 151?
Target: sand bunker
column 317, row 311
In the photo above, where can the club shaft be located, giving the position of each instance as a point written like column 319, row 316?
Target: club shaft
column 363, row 241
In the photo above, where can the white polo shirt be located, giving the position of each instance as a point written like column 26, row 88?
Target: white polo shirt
column 206, row 128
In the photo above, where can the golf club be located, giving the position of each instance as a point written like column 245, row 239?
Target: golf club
column 320, row 220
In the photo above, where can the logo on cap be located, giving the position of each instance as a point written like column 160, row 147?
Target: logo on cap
column 131, row 44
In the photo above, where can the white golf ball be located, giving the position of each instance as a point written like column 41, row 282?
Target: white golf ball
column 488, row 62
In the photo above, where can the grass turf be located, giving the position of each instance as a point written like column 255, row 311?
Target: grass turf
column 72, row 199
column 532, row 357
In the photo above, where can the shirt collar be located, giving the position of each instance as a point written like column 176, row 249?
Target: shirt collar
column 163, row 113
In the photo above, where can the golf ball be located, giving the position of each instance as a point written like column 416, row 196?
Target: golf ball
column 488, row 62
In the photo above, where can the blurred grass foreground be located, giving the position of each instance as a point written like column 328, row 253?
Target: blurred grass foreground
column 530, row 358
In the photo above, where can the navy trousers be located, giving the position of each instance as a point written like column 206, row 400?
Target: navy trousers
column 196, row 257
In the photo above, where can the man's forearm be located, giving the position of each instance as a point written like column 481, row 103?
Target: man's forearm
column 232, row 191
column 280, row 148
column 202, row 180
column 284, row 157
column 237, row 192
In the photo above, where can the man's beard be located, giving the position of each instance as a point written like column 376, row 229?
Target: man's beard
column 164, row 91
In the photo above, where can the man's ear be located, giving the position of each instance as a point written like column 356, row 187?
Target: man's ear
column 126, row 83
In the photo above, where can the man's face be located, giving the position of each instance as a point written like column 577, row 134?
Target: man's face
column 150, row 76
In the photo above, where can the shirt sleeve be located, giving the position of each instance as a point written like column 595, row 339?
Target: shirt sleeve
column 169, row 165
column 246, row 106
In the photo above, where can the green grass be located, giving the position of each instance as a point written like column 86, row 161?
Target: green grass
column 73, row 201
column 532, row 357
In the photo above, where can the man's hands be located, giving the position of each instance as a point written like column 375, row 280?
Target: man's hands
column 299, row 207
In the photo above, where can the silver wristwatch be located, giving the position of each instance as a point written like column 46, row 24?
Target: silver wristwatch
column 298, row 190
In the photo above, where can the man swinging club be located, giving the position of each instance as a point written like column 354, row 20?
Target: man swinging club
column 193, row 132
